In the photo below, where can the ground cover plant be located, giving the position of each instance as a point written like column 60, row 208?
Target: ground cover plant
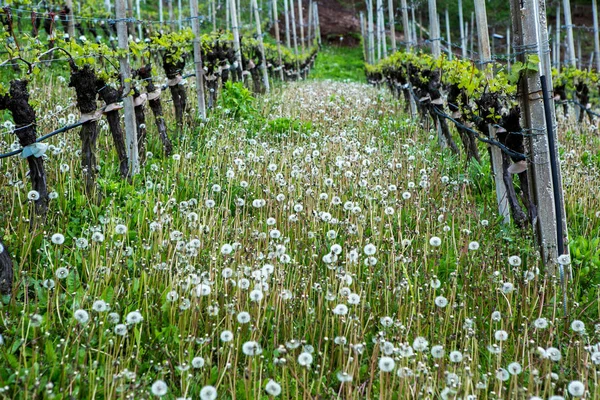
column 340, row 256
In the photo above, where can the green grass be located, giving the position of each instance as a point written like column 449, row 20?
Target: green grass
column 340, row 64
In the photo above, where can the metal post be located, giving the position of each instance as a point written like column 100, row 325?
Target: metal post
column 198, row 60
column 558, row 42
column 125, row 71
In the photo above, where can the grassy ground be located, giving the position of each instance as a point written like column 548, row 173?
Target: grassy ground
column 314, row 242
column 340, row 64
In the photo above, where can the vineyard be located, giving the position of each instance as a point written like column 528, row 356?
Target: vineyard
column 216, row 200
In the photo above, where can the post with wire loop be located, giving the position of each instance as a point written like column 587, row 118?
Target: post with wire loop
column 198, row 68
column 131, row 141
column 485, row 57
column 530, row 38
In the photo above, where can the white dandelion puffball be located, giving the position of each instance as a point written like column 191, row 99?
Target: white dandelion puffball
column 134, row 317
column 197, row 362
column 208, row 393
column 441, row 301
column 120, row 229
column 578, row 326
column 81, row 316
column 58, row 238
column 473, row 246
column 273, row 388
column 576, row 388
column 159, row 388
column 386, row 364
column 226, row 336
column 514, row 261
column 305, row 359
column 340, row 309
column 370, row 249
column 564, row 259
column 435, row 241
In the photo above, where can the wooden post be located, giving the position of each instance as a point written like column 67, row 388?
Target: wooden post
column 569, row 26
column 161, row 17
column 434, row 29
column 579, row 56
column 179, row 15
column 317, row 23
column 236, row 35
column 463, row 38
column 310, row 29
column 406, row 26
column 71, row 20
column 364, row 37
column 286, row 14
column 370, row 31
column 214, row 14
column 238, row 11
column 171, row 18
column 198, row 68
column 448, row 37
column 558, row 41
column 496, row 153
column 131, row 141
column 392, row 21
column 227, row 15
column 277, row 38
column 414, row 24
column 294, row 32
column 382, row 27
column 261, row 46
column 378, row 24
column 508, row 56
column 139, row 19
column 301, row 21
column 529, row 26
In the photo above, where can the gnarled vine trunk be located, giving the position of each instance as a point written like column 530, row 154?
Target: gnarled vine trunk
column 17, row 102
column 83, row 80
column 173, row 69
column 6, row 270
column 111, row 96
column 156, row 106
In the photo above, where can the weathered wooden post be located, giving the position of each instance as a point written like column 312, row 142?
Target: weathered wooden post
column 214, row 14
column 392, row 24
column 161, row 17
column 448, row 37
column 317, row 23
column 294, row 31
column 463, row 37
column 236, row 36
column 434, row 29
column 301, row 21
column 558, row 41
column 471, row 34
column 131, row 141
column 406, row 26
column 179, row 15
column 227, row 15
column 496, row 154
column 286, row 14
column 277, row 37
column 261, row 46
column 529, row 31
column 138, row 13
column 70, row 19
column 198, row 68
column 364, row 37
column 570, row 39
column 370, row 31
column 310, row 27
